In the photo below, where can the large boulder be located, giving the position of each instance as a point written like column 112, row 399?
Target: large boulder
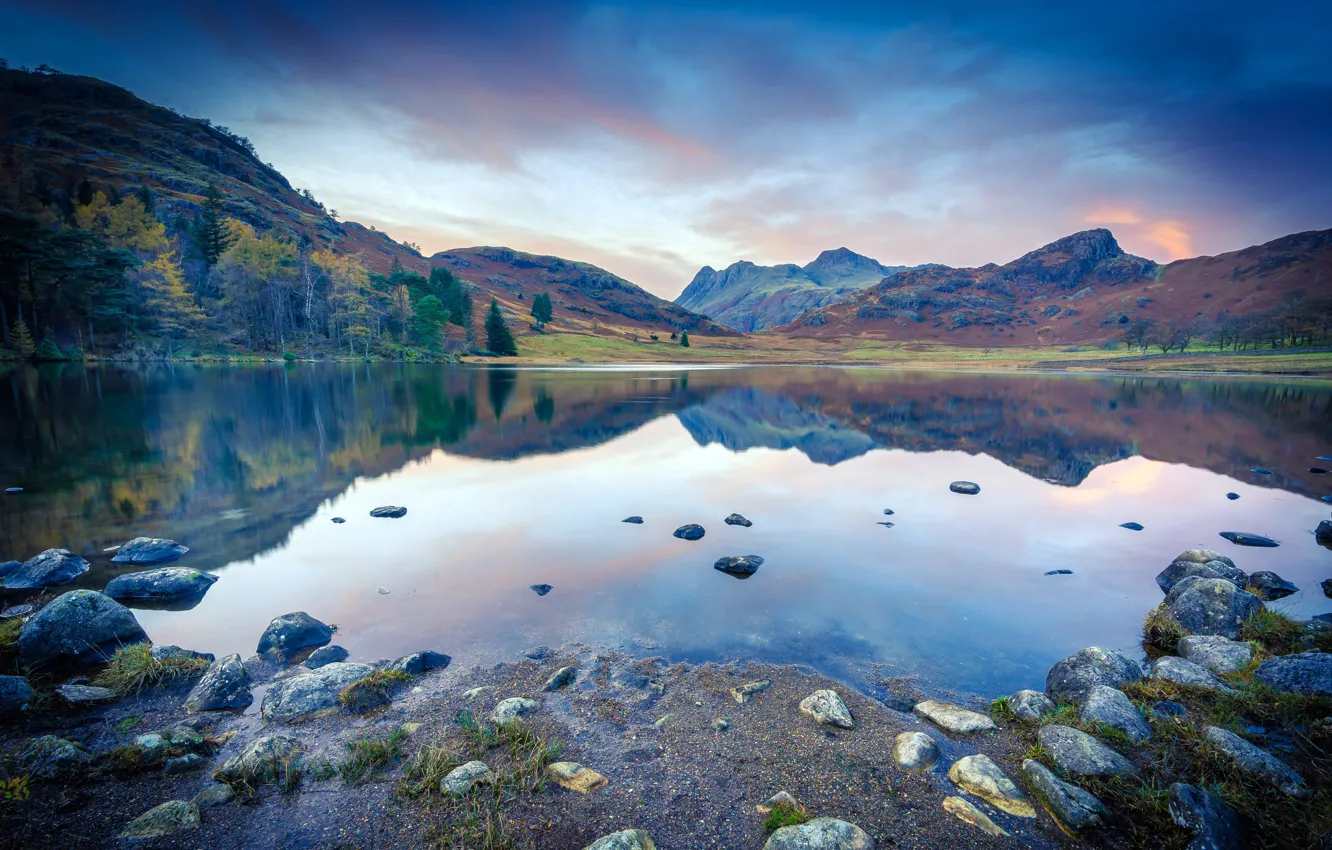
column 1267, row 586
column 52, row 567
column 1212, row 822
column 1110, row 707
column 820, row 834
column 1075, row 810
column 78, row 627
column 1078, row 753
column 1068, row 680
column 1305, row 673
column 1216, row 653
column 266, row 759
column 1182, row 569
column 225, row 686
column 739, row 565
column 308, row 693
column 149, row 550
column 165, row 583
column 15, row 695
column 1211, row 606
column 421, row 662
column 1030, row 705
column 1255, row 762
column 291, row 633
column 692, row 531
column 1182, row 672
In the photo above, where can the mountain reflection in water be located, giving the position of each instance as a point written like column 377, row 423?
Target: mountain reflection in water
column 520, row 477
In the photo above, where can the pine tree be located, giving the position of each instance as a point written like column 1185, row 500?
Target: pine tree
column 22, row 337
column 542, row 310
column 427, row 319
column 498, row 338
column 212, row 235
column 684, row 339
column 47, row 350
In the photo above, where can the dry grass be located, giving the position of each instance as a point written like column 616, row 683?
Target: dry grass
column 133, row 668
column 371, row 690
column 369, row 754
column 1160, row 634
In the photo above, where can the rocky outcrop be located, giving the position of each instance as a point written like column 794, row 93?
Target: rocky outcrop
column 420, row 663
column 513, row 708
column 573, row 776
column 163, row 584
column 1210, row 606
column 149, row 550
column 1267, row 586
column 1182, row 568
column 462, row 779
column 78, row 627
column 53, row 758
column 1030, row 706
column 265, row 760
column 964, row 811
column 49, row 569
column 1068, row 680
column 326, row 655
column 225, row 686
column 291, row 633
column 1213, row 823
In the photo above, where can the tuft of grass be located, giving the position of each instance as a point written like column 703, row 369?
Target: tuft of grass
column 1277, row 633
column 1160, row 633
column 128, row 723
column 372, row 689
column 290, row 778
column 133, row 668
column 369, row 754
column 320, row 768
column 1001, row 709
column 477, row 825
column 784, row 814
column 9, row 635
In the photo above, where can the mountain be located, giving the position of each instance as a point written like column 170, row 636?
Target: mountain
column 748, row 297
column 1085, row 288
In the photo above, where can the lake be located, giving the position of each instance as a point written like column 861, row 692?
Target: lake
column 516, row 477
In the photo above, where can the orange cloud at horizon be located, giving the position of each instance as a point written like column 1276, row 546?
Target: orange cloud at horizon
column 1169, row 234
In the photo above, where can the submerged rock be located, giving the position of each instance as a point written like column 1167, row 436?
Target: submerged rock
column 309, row 693
column 149, row 550
column 167, row 819
column 225, row 686
column 419, row 663
column 290, row 633
column 745, row 565
column 1030, row 705
column 915, row 752
column 1255, row 762
column 1132, row 526
column 635, row 520
column 509, row 710
column 1304, row 673
column 819, row 834
column 15, row 695
column 1211, row 606
column 1212, row 822
column 326, row 655
column 1073, row 809
column 827, row 707
column 462, row 779
column 966, row 488
column 1267, row 586
column 1074, row 751
column 50, row 568
column 1112, row 708
column 1244, row 538
column 165, row 583
column 561, row 678
column 1068, row 680
column 736, row 519
column 968, row 813
column 743, row 693
column 1216, row 653
column 628, row 839
column 265, row 760
column 1183, row 672
column 389, row 512
column 78, row 627
column 692, row 531
column 540, row 589
column 952, row 718
column 979, row 775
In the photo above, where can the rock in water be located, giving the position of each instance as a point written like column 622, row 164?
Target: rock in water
column 310, row 693
column 979, row 775
column 1268, row 586
column 827, row 707
column 1073, row 809
column 634, row 520
column 575, row 777
column 15, row 695
column 1181, row 568
column 462, row 779
column 1232, row 496
column 915, row 752
column 509, row 710
column 819, row 834
column 265, row 760
column 739, row 565
column 291, row 633
column 1211, row 606
column 78, row 627
column 1318, row 470
column 1212, row 822
column 1323, row 536
column 1254, row 762
column 337, row 520
column 966, row 488
column 149, row 550
column 541, row 589
column 1244, row 538
column 225, row 686
column 326, row 655
column 1182, row 672
column 1030, row 706
column 743, row 693
column 421, row 662
column 1258, row 470
column 964, row 811
column 692, row 531
column 52, row 567
column 1216, row 653
column 1112, row 708
column 952, row 718
column 561, row 678
column 1304, row 673
column 1326, row 583
column 1086, row 668
column 167, row 819
column 1132, row 526
column 165, row 583
column 389, row 512
column 1059, row 572
column 629, row 839
column 736, row 519
column 1078, row 753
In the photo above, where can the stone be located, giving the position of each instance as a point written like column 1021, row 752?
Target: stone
column 885, row 524
column 1258, row 470
column 968, row 813
column 50, row 757
column 15, row 695
column 1327, row 582
column 539, row 653
column 1112, row 708
column 1255, row 762
column 161, row 652
column 326, row 655
column 167, row 819
column 743, row 693
column 462, row 779
column 915, row 752
column 1304, row 672
column 781, row 798
column 736, row 519
column 1181, row 569
column 188, row 763
column 224, row 686
column 979, row 775
column 1030, row 705
column 1086, row 668
column 312, row 692
column 540, row 589
column 164, row 583
column 420, row 663
column 1323, row 537
column 1267, row 586
column 1211, row 606
column 389, row 512
column 1169, row 708
column 628, row 839
column 1075, row 810
column 575, row 777
column 739, row 565
column 966, row 488
column 266, row 759
column 337, row 520
column 1244, row 538
column 827, row 707
column 218, row 794
column 1211, row 820
column 1182, row 672
column 952, row 718
column 721, row 724
column 1132, row 526
column 1059, row 572
column 290, row 633
column 820, row 834
column 1078, row 753
column 85, row 695
column 1232, row 496
column 561, row 678
column 78, row 627
column 509, row 710
column 1216, row 653
column 16, row 610
column 633, row 520
column 149, row 550
column 50, row 568
column 1204, row 556
column 689, row 532
column 8, row 568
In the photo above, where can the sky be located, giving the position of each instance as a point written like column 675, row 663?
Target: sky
column 652, row 138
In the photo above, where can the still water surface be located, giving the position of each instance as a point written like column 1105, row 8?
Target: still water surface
column 520, row 477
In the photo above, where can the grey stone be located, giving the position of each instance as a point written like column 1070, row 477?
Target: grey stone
column 1078, row 753
column 1086, row 668
column 17, row 610
column 15, row 695
column 224, row 686
column 50, row 757
column 744, row 565
column 83, row 695
column 164, row 583
column 389, row 512
column 1216, row 653
column 509, row 710
column 1244, row 538
column 827, row 707
column 462, row 779
column 1326, row 584
column 266, row 759
column 820, row 834
column 979, row 775
column 149, row 550
column 1169, row 708
column 8, row 568
column 187, row 763
column 164, row 651
column 915, row 752
column 736, row 519
column 1183, row 672
column 78, row 627
column 419, row 663
column 1255, row 762
column 1267, row 586
column 1218, row 567
column 326, row 655
column 1305, row 673
column 50, row 568
column 1030, row 705
column 743, row 693
column 312, row 692
column 1323, row 536
column 968, row 813
column 218, row 794
column 1112, row 708
column 541, row 589
column 1074, row 809
column 1210, row 819
column 627, row 839
column 1211, row 606
column 952, row 718
column 561, row 678
column 633, row 520
column 781, row 798
column 167, row 819
column 966, row 488
column 289, row 634
column 692, row 531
